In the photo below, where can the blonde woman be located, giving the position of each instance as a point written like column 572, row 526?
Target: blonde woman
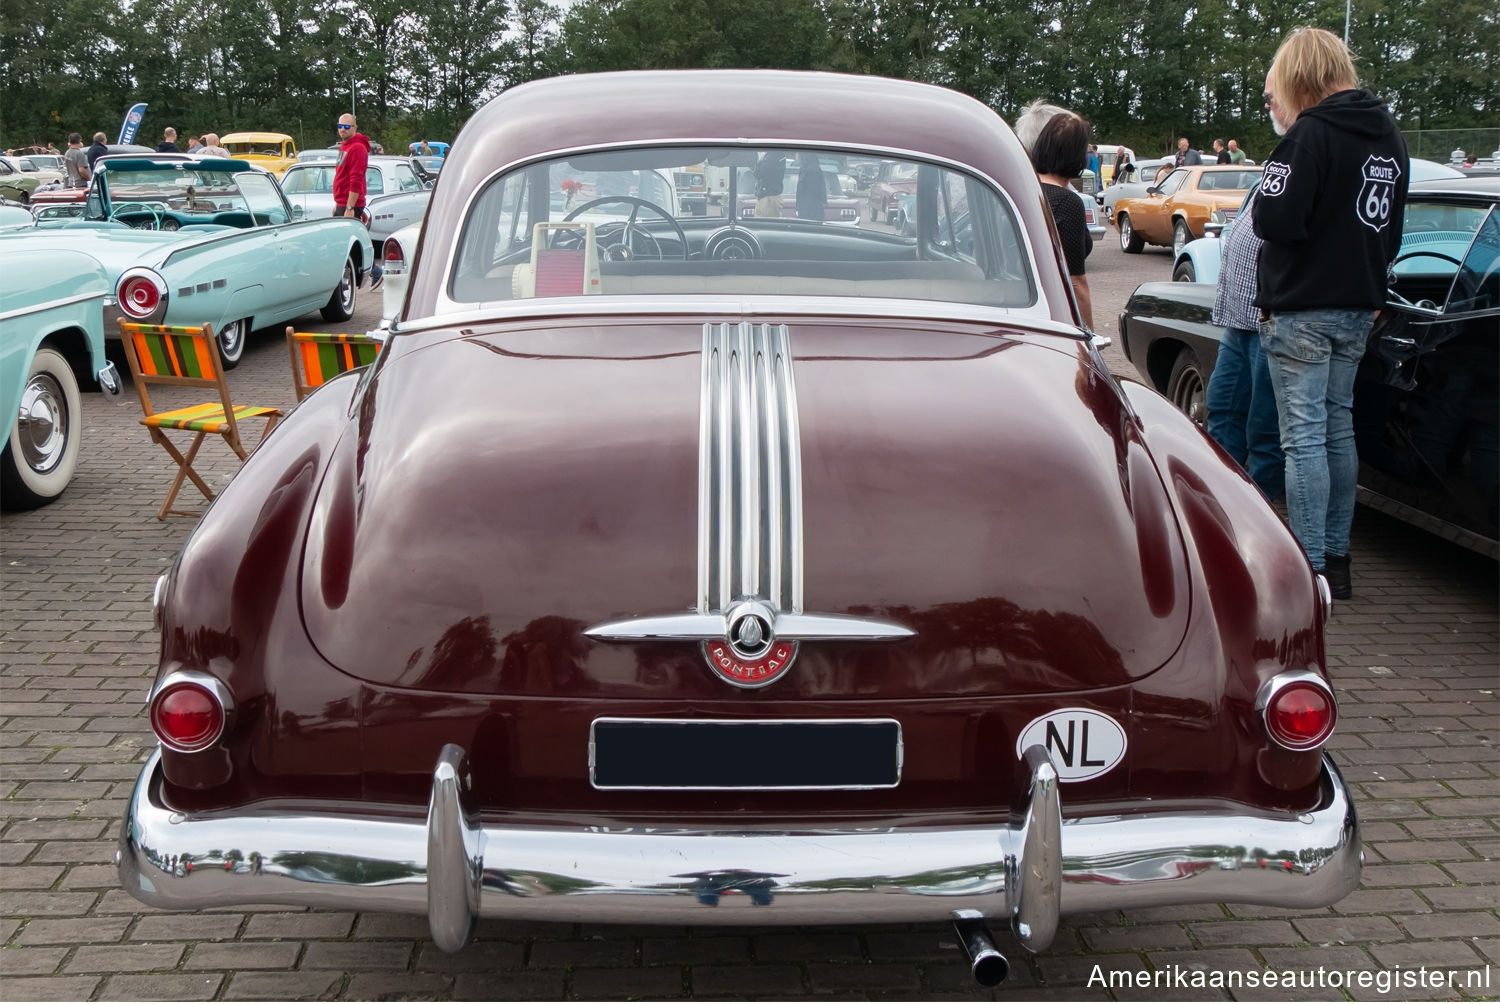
column 1329, row 212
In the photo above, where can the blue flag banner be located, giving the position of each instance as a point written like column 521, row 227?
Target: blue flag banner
column 132, row 123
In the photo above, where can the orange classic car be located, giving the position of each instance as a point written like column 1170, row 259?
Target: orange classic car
column 1175, row 211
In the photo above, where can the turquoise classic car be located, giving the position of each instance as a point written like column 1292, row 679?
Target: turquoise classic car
column 210, row 240
column 51, row 337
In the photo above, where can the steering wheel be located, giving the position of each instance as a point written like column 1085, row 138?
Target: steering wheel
column 1431, row 254
column 628, row 228
column 139, row 207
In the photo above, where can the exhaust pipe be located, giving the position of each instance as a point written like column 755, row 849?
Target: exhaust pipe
column 990, row 968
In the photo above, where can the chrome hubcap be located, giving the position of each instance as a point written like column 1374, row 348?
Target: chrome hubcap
column 230, row 337
column 346, row 287
column 42, row 423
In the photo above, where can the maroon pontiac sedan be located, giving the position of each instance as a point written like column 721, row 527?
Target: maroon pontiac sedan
column 721, row 570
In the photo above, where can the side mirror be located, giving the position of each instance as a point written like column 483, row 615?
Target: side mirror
column 1153, row 190
column 298, row 212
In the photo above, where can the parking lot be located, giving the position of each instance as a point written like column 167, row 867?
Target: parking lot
column 1415, row 658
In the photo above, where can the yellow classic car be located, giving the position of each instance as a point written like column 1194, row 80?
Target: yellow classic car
column 1174, row 210
column 274, row 151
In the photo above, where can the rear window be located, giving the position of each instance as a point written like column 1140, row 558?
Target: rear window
column 1227, row 181
column 777, row 221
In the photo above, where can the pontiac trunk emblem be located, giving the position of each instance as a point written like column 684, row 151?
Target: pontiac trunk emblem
column 750, row 655
column 748, row 616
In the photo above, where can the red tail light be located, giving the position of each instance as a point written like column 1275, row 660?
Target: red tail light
column 392, row 250
column 140, row 293
column 1298, row 709
column 190, row 711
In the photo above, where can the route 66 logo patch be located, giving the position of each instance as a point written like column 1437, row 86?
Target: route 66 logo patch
column 1274, row 179
column 1378, row 192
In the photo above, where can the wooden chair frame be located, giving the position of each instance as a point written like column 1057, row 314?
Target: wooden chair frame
column 230, row 430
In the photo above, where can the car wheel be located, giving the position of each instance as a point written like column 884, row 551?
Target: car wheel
column 1180, row 235
column 231, row 339
column 1184, row 272
column 340, row 306
column 1186, row 387
column 1130, row 241
column 42, row 448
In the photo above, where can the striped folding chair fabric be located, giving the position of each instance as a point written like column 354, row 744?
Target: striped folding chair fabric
column 319, row 356
column 177, row 356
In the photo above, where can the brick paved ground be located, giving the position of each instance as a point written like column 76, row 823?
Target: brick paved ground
column 1414, row 657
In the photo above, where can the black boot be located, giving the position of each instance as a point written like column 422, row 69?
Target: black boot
column 1336, row 569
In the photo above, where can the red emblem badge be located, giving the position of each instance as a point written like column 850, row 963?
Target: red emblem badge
column 750, row 672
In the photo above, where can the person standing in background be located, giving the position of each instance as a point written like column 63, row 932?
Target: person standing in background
column 1186, row 155
column 1121, row 160
column 97, row 150
column 812, row 188
column 1221, row 155
column 211, row 147
column 168, row 142
column 1240, row 400
column 1236, row 155
column 1057, row 141
column 76, row 162
column 770, row 174
column 349, row 178
column 1337, row 179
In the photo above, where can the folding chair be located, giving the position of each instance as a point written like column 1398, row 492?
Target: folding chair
column 177, row 356
column 318, row 357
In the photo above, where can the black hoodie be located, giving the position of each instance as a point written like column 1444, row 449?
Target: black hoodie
column 1330, row 207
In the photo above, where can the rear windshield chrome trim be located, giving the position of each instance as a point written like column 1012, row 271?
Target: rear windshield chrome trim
column 445, row 303
column 1034, row 318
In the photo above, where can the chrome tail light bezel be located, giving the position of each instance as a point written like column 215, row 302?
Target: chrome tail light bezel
column 1273, row 688
column 216, row 690
column 129, row 276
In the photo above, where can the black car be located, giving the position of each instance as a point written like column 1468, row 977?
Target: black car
column 1427, row 396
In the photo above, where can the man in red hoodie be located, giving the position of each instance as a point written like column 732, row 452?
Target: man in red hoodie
column 349, row 179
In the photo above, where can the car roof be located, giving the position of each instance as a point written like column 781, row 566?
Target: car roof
column 1488, row 186
column 151, row 163
column 255, row 137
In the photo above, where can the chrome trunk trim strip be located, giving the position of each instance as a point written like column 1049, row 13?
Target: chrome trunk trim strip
column 749, row 470
column 749, row 501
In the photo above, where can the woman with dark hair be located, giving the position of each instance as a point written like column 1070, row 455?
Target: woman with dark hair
column 1061, row 152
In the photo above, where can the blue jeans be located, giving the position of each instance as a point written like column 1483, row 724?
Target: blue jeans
column 1242, row 410
column 1313, row 356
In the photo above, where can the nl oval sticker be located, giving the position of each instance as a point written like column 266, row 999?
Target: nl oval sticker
column 1083, row 744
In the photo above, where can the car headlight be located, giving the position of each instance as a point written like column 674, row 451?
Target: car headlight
column 1217, row 216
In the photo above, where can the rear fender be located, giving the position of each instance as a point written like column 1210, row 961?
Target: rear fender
column 230, row 606
column 1262, row 613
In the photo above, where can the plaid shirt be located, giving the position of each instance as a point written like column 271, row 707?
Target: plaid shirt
column 1234, row 303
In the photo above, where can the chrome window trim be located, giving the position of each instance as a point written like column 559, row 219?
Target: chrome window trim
column 447, row 305
column 216, row 688
column 1275, row 685
column 849, row 307
column 612, row 720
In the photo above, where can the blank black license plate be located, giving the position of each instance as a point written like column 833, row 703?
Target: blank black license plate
column 733, row 754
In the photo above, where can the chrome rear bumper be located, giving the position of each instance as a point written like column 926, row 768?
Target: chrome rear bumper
column 455, row 868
